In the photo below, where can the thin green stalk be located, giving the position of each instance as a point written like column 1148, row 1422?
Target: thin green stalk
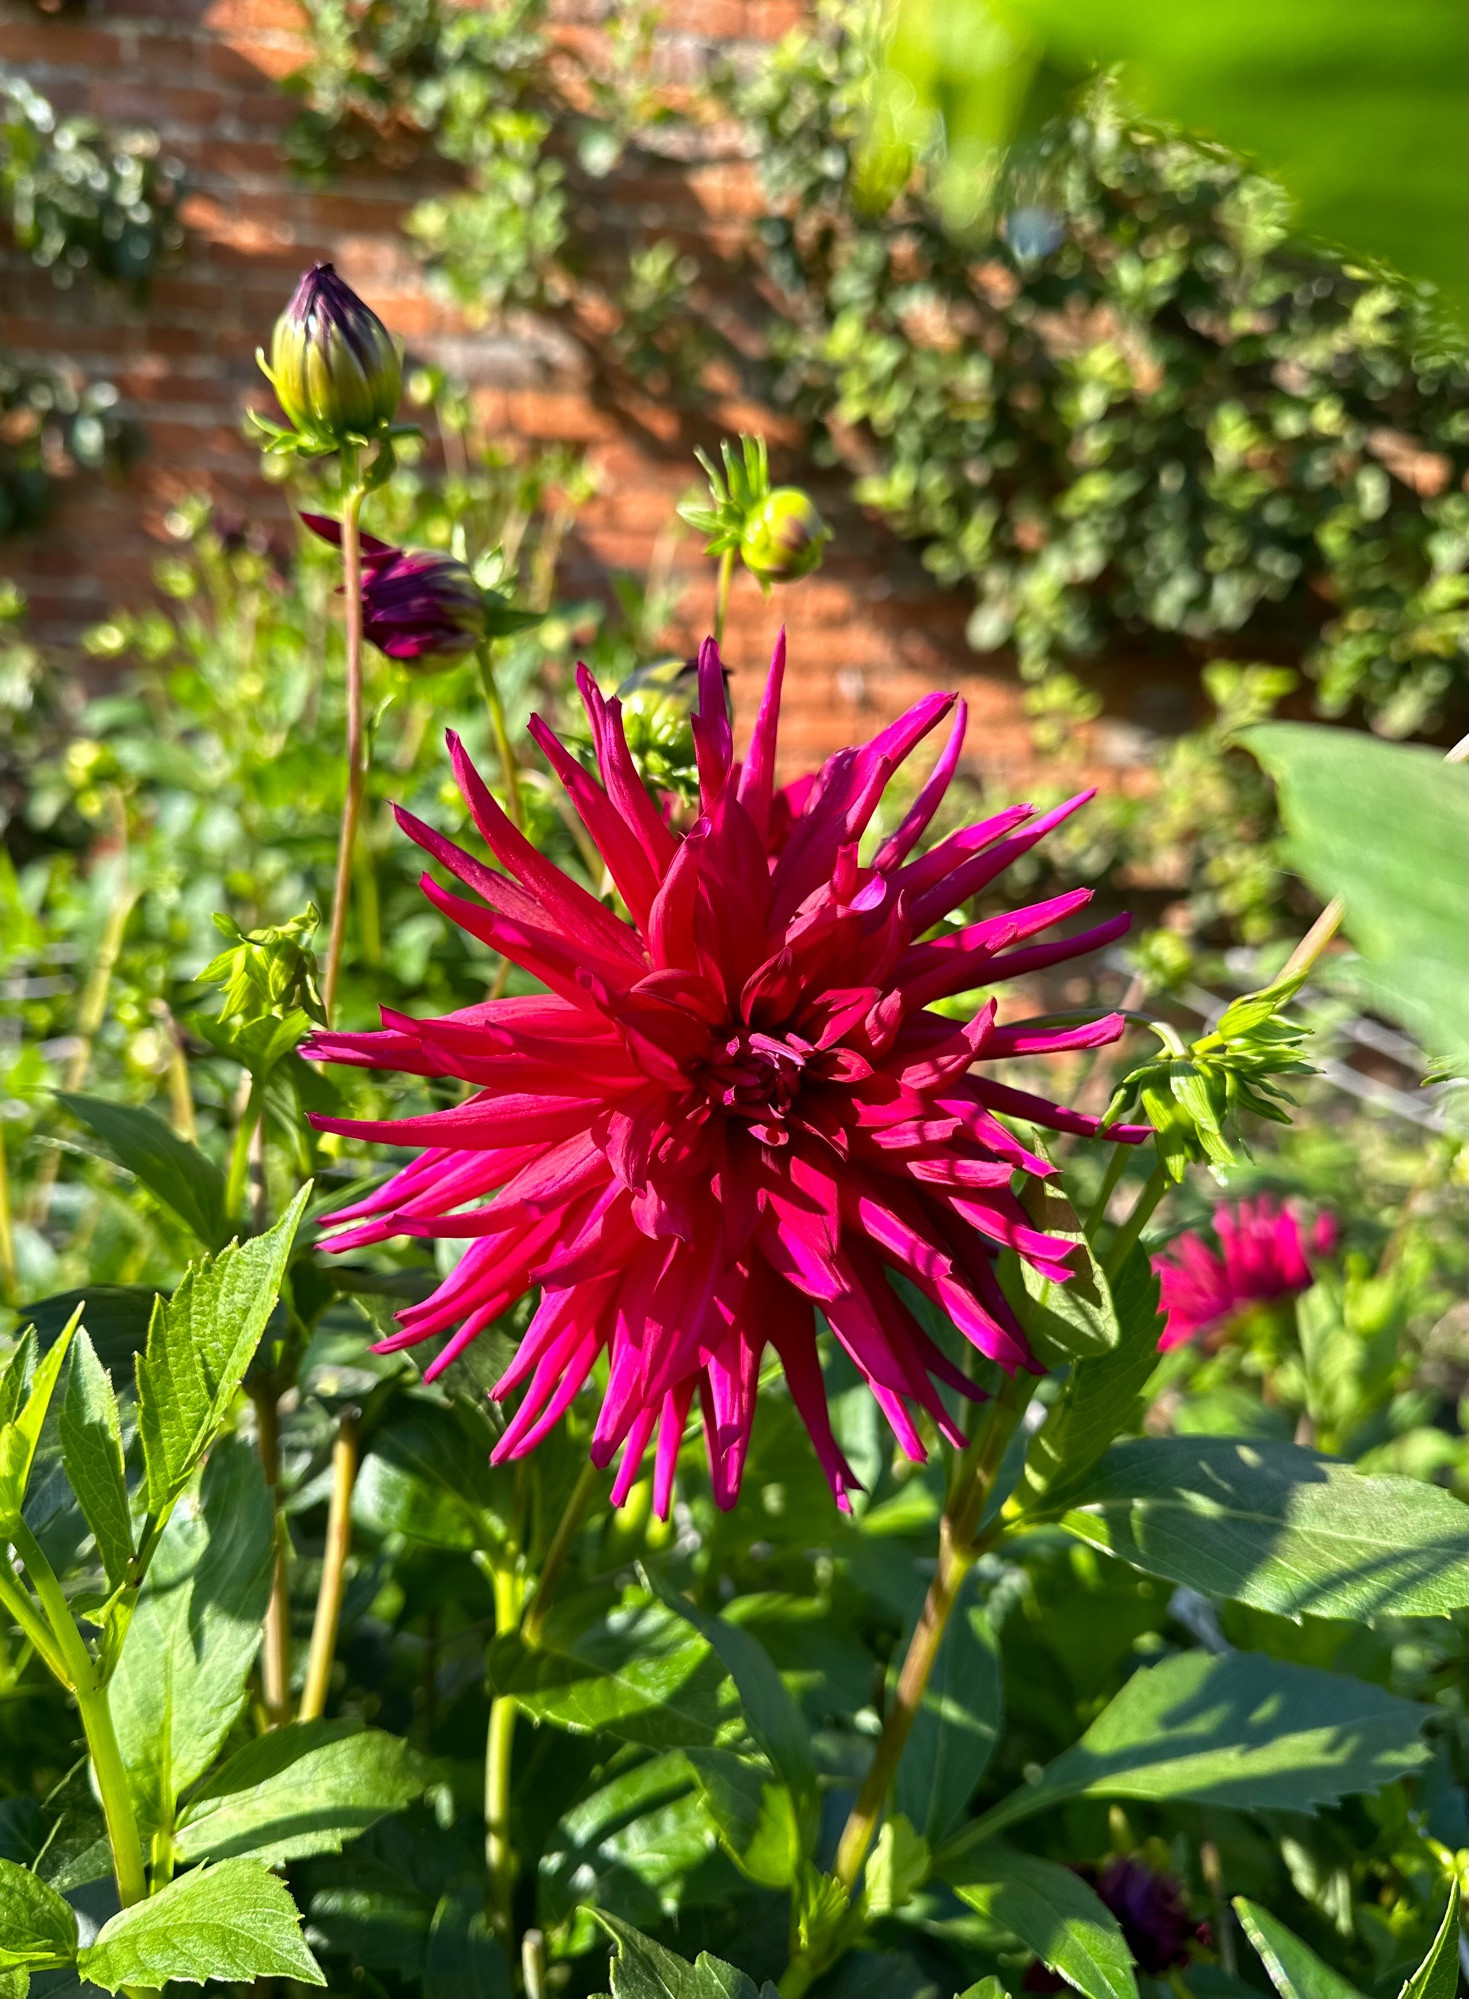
column 238, row 1176
column 1153, row 1192
column 721, row 594
column 9, row 1276
column 1315, row 940
column 499, row 1755
column 15, row 1599
column 275, row 1653
column 499, row 729
column 561, row 1540
column 353, row 494
column 328, row 1616
column 1097, row 1213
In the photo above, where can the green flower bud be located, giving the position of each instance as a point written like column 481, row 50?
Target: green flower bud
column 333, row 364
column 783, row 537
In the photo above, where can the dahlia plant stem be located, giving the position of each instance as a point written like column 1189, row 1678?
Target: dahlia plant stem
column 328, row 1616
column 500, row 730
column 1142, row 1212
column 75, row 1667
column 566, row 1532
column 353, row 492
column 959, row 1549
column 275, row 1653
column 1315, row 940
column 1097, row 1213
column 9, row 1275
column 721, row 594
column 238, row 1176
column 499, row 1752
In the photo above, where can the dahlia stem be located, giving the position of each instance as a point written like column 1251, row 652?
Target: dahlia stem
column 504, row 749
column 499, row 1754
column 1137, row 1221
column 353, row 493
column 275, row 1656
column 328, row 1616
column 1097, row 1213
column 721, row 594
column 238, row 1175
column 958, row 1551
column 9, row 1275
column 1315, row 940
column 566, row 1532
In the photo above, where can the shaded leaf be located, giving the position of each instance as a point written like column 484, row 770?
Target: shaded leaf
column 753, row 1814
column 199, row 1346
column 629, row 1849
column 1437, row 1977
column 1295, row 1970
column 956, row 1727
column 37, row 1928
column 1239, row 1730
column 1276, row 1526
column 234, row 1921
column 642, row 1969
column 302, row 1789
column 464, row 1959
column 1054, row 1913
column 20, row 1436
column 1101, row 1393
column 185, row 1179
column 117, row 1316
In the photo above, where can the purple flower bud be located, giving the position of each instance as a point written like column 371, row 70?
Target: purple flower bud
column 333, row 364
column 1152, row 1913
column 418, row 606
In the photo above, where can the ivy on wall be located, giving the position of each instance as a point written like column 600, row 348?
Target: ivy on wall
column 76, row 199
column 1134, row 415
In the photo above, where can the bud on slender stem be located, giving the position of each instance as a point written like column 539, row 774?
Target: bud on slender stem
column 334, row 366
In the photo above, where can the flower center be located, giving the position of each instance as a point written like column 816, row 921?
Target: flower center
column 757, row 1077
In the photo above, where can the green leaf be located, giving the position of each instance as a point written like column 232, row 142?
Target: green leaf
column 117, row 1316
column 1100, row 1395
column 754, row 1816
column 91, row 1450
column 1054, row 1913
column 1295, row 1970
column 1066, row 1321
column 642, row 1969
column 20, row 1368
column 233, row 1922
column 257, row 1045
column 632, row 1669
column 956, row 1727
column 302, row 1789
column 1437, row 1977
column 199, row 1346
column 20, row 1436
column 38, row 1931
column 426, row 1478
column 178, row 1173
column 629, row 1848
column 180, row 1678
column 464, row 1960
column 1276, row 1526
column 770, row 1710
column 1239, row 1730
column 1386, row 827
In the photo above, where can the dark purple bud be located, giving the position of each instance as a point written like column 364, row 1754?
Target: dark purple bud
column 418, row 606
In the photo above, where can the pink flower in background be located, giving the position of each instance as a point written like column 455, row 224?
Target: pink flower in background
column 738, row 1109
column 1261, row 1255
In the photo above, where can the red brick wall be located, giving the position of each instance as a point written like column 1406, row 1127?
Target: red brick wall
column 867, row 635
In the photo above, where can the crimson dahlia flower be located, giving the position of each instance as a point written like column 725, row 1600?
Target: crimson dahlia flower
column 737, row 1110
column 1261, row 1257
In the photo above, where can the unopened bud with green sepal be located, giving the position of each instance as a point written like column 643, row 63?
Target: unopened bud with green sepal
column 334, row 366
column 776, row 531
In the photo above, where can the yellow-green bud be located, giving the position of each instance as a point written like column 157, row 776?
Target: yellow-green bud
column 333, row 364
column 783, row 537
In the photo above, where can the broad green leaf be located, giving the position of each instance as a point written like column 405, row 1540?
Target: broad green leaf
column 117, row 1316
column 629, row 1849
column 21, row 1435
column 1239, row 1730
column 233, row 1922
column 1276, row 1526
column 642, row 1969
column 1437, row 1977
column 631, row 1669
column 1101, row 1393
column 19, row 1370
column 956, row 1727
column 1386, row 827
column 984, row 1988
column 1065, row 1321
column 753, row 1814
column 91, row 1450
column 770, row 1710
column 178, row 1173
column 38, row 1930
column 76, row 1850
column 464, row 1959
column 1054, row 1913
column 302, row 1789
column 899, row 1865
column 425, row 1477
column 1295, row 1970
column 199, row 1346
column 180, row 1678
column 258, row 1045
